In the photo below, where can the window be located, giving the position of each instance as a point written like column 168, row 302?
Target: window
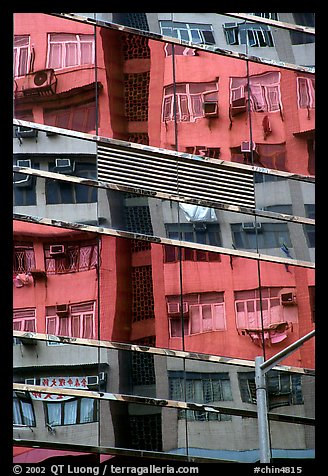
column 194, row 32
column 283, row 388
column 71, row 412
column 251, row 34
column 309, row 230
column 24, row 320
column 306, row 92
column 202, row 150
column 205, row 233
column 262, row 90
column 21, row 55
column 24, row 186
column 66, row 50
column 78, row 322
column 298, row 37
column 269, row 235
column 23, row 412
column 201, row 388
column 64, row 192
column 179, row 50
column 190, row 98
column 248, row 305
column 24, row 260
column 79, row 256
column 201, row 313
column 270, row 156
column 78, row 118
column 174, row 253
column 270, row 16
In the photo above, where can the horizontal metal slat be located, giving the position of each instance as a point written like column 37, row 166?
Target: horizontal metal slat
column 189, row 177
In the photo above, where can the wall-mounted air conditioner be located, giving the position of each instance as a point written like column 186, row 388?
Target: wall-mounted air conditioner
column 288, row 298
column 63, row 166
column 200, row 226
column 62, row 310
column 32, row 381
column 173, row 308
column 40, row 83
column 24, row 163
column 57, row 250
column 211, row 108
column 246, row 146
column 251, row 227
column 23, row 180
column 25, row 132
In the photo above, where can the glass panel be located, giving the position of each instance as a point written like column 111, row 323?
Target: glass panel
column 282, row 141
column 62, row 89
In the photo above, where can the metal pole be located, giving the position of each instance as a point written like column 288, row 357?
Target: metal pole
column 261, row 367
column 268, row 364
column 262, row 414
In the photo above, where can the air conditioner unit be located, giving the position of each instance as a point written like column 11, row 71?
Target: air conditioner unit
column 23, row 180
column 40, row 83
column 173, row 308
column 200, row 226
column 62, row 310
column 26, row 132
column 251, row 227
column 211, row 108
column 93, row 380
column 63, row 166
column 246, row 146
column 24, row 163
column 57, row 250
column 63, row 162
column 32, row 381
column 288, row 298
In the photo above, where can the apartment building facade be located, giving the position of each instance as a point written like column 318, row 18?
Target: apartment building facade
column 163, row 238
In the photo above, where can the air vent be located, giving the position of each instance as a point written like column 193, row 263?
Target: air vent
column 157, row 172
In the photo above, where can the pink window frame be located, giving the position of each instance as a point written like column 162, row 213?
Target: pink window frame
column 63, row 53
column 310, row 93
column 17, row 55
column 187, row 98
column 82, row 317
column 18, row 316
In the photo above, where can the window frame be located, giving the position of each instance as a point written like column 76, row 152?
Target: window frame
column 79, row 41
column 78, row 416
column 180, row 380
column 186, row 101
column 17, row 56
column 23, row 418
column 72, row 263
column 175, row 322
column 305, row 97
column 180, row 27
column 69, row 323
column 18, row 316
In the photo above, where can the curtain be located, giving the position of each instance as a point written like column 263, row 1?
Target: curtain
column 54, row 413
column 86, row 410
column 70, row 412
column 27, row 411
column 17, row 417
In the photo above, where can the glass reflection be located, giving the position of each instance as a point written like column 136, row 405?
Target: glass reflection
column 134, row 291
column 54, row 66
column 246, row 109
column 155, row 217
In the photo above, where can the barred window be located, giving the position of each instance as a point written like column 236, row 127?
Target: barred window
column 70, row 257
column 283, row 388
column 201, row 388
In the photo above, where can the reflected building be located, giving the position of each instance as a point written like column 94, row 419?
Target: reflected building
column 181, row 187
